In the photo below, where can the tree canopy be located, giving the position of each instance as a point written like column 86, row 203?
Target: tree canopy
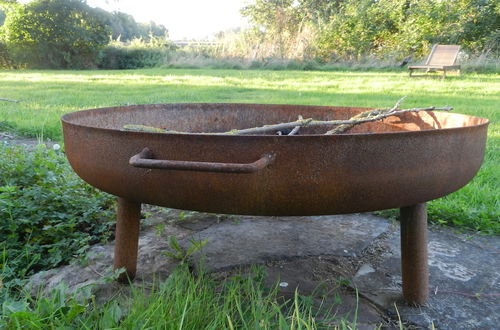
column 125, row 28
column 64, row 33
column 70, row 34
column 350, row 29
column 55, row 33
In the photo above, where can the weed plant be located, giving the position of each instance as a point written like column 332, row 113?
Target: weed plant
column 48, row 215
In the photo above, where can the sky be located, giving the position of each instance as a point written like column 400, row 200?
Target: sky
column 191, row 19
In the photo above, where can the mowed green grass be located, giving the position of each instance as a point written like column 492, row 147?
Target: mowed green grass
column 46, row 95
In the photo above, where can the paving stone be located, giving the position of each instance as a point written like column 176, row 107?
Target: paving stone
column 200, row 221
column 322, row 282
column 250, row 240
column 459, row 269
column 302, row 275
column 97, row 266
column 307, row 252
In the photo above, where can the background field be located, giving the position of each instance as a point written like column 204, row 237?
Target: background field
column 46, row 95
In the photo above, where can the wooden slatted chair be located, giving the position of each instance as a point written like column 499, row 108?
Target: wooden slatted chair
column 442, row 58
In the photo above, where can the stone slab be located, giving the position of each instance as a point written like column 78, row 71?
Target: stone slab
column 323, row 283
column 307, row 276
column 200, row 221
column 90, row 271
column 307, row 252
column 459, row 268
column 253, row 240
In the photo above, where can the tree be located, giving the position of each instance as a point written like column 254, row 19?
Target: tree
column 5, row 59
column 5, row 5
column 391, row 29
column 125, row 28
column 2, row 17
column 152, row 30
column 277, row 22
column 55, row 34
column 319, row 11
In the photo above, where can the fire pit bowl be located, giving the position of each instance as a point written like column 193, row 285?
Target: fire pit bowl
column 398, row 162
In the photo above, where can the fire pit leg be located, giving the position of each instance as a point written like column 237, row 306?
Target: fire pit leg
column 127, row 238
column 415, row 271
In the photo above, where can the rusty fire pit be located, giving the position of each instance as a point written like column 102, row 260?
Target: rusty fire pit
column 398, row 162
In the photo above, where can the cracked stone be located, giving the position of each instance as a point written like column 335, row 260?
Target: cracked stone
column 259, row 239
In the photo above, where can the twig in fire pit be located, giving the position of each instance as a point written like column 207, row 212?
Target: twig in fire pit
column 365, row 115
column 143, row 128
column 343, row 125
column 296, row 129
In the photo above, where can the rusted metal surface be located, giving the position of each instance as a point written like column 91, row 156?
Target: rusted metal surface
column 145, row 159
column 127, row 238
column 414, row 266
column 399, row 162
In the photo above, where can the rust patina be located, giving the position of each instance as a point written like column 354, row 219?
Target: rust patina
column 400, row 162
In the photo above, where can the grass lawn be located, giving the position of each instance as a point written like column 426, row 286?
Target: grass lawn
column 46, row 95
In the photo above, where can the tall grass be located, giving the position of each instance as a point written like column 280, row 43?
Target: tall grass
column 183, row 301
column 218, row 57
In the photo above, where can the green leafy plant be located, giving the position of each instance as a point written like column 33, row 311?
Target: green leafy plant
column 182, row 254
column 48, row 214
column 182, row 215
column 58, row 305
column 160, row 229
column 134, row 56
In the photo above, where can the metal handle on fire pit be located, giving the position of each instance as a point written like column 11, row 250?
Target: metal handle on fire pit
column 144, row 159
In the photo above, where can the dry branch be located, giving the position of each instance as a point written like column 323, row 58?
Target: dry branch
column 342, row 125
column 296, row 129
column 369, row 116
column 364, row 115
column 144, row 128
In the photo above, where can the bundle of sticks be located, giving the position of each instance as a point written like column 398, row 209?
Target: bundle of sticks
column 293, row 127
